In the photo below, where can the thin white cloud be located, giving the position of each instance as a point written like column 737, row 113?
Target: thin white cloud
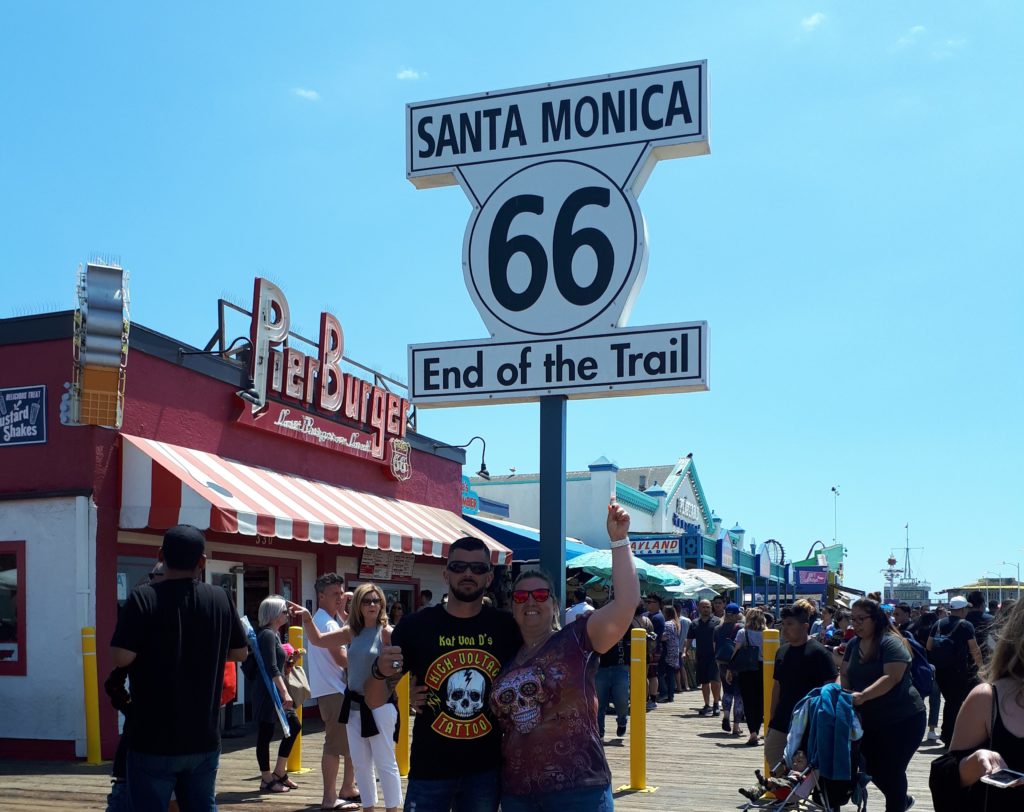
column 948, row 47
column 409, row 75
column 812, row 22
column 306, row 93
column 911, row 37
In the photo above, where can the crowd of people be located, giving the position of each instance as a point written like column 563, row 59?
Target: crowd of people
column 511, row 706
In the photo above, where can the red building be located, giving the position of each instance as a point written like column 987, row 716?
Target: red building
column 284, row 492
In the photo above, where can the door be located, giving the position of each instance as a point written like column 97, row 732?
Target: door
column 229, row 576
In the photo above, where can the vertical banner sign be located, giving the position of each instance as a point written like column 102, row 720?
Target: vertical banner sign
column 555, row 250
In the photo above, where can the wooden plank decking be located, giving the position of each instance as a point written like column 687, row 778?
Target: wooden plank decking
column 693, row 764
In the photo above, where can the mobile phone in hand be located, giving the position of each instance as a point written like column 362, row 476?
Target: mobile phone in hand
column 1004, row 779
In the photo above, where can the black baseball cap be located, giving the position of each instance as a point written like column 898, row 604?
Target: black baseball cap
column 183, row 546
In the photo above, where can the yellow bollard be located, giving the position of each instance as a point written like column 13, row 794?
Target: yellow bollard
column 404, row 720
column 769, row 648
column 297, row 641
column 92, row 696
column 637, row 713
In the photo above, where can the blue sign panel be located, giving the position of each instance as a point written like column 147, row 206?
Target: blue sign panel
column 470, row 499
column 725, row 553
column 22, row 415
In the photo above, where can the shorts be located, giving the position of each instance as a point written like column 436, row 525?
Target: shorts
column 707, row 671
column 335, row 733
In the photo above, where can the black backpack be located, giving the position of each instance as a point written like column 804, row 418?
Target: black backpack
column 946, row 651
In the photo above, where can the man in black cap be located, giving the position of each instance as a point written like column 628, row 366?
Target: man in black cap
column 174, row 636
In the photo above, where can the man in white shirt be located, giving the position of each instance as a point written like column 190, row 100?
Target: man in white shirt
column 579, row 608
column 327, row 686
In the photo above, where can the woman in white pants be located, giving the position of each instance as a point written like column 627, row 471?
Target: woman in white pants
column 371, row 731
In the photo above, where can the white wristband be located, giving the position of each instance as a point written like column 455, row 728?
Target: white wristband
column 620, row 543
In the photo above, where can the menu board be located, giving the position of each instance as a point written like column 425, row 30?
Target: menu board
column 383, row 565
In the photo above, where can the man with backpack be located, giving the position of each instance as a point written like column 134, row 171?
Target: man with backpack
column 956, row 656
column 725, row 646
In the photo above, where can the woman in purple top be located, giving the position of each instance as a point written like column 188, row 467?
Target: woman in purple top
column 546, row 698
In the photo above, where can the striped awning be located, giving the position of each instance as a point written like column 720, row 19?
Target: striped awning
column 163, row 485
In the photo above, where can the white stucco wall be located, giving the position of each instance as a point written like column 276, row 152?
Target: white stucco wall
column 60, row 571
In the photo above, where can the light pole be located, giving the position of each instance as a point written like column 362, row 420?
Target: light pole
column 835, row 514
column 1017, row 565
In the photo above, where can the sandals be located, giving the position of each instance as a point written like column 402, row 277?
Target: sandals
column 284, row 779
column 275, row 784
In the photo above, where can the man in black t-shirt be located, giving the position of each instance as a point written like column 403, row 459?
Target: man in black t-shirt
column 801, row 665
column 955, row 653
column 657, row 618
column 174, row 637
column 702, row 630
column 454, row 651
column 980, row 620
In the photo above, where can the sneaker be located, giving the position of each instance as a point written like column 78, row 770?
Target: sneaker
column 933, row 736
column 620, row 731
column 725, row 724
column 651, row 704
column 716, row 710
column 705, row 711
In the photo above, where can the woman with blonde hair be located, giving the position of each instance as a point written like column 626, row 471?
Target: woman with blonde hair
column 747, row 668
column 272, row 616
column 371, row 731
column 989, row 732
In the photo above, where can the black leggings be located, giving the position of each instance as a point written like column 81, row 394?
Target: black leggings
column 753, row 696
column 887, row 752
column 266, row 733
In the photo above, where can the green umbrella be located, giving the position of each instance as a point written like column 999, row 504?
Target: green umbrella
column 599, row 563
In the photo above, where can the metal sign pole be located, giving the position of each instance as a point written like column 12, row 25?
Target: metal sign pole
column 552, row 492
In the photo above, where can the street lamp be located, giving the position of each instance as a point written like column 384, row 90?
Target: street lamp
column 1017, row 565
column 835, row 513
column 483, row 473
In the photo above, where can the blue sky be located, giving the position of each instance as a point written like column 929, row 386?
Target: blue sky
column 853, row 239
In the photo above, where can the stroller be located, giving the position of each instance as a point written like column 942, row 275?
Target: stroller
column 821, row 768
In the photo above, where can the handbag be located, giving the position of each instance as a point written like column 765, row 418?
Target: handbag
column 297, row 684
column 745, row 658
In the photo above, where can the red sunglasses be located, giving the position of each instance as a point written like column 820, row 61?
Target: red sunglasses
column 539, row 595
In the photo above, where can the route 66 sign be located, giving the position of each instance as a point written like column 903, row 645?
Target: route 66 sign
column 556, row 243
column 556, row 246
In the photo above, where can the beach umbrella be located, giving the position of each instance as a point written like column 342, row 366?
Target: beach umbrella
column 599, row 563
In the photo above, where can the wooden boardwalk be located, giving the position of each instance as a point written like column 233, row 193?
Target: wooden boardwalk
column 693, row 764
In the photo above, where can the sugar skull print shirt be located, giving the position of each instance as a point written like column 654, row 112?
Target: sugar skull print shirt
column 547, row 709
column 456, row 659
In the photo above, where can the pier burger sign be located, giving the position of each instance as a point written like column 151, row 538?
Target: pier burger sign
column 315, row 401
column 555, row 250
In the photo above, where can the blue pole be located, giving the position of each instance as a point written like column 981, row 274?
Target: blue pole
column 552, row 492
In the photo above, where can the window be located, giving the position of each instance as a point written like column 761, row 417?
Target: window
column 12, row 608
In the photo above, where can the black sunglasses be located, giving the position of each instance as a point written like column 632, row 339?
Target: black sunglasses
column 476, row 567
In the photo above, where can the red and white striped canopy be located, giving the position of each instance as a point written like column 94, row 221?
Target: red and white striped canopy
column 163, row 485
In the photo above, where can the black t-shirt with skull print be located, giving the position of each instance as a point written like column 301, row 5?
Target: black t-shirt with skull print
column 457, row 659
